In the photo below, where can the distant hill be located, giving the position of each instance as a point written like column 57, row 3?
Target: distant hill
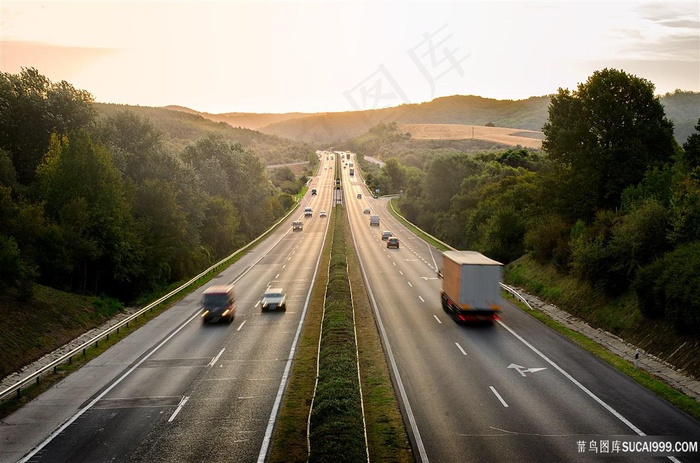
column 683, row 108
column 527, row 114
column 245, row 120
column 182, row 127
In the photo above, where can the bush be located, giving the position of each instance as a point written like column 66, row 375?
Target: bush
column 669, row 287
column 548, row 240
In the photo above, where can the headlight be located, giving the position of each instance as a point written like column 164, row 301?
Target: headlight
column 225, row 312
column 205, row 313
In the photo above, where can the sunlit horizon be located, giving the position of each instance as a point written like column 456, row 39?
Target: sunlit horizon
column 290, row 56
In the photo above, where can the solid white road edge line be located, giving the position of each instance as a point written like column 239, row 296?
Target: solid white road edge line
column 216, row 359
column 495, row 392
column 182, row 403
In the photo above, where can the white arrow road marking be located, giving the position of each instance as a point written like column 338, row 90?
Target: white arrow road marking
column 522, row 370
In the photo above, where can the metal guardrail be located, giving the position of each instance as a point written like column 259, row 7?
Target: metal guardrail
column 516, row 295
column 68, row 357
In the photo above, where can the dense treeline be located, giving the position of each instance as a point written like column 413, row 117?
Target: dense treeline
column 612, row 199
column 103, row 206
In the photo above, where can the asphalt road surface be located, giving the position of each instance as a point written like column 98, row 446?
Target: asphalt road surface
column 514, row 390
column 179, row 390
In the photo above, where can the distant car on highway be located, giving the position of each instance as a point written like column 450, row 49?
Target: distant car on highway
column 297, row 225
column 273, row 299
column 308, row 212
column 392, row 242
column 366, row 211
column 322, row 214
column 313, row 192
column 373, row 220
column 386, row 234
column 359, row 195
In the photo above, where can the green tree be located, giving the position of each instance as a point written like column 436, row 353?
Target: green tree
column 83, row 193
column 603, row 137
column 8, row 176
column 395, row 174
column 668, row 288
column 31, row 109
column 220, row 227
column 229, row 171
column 691, row 149
column 169, row 248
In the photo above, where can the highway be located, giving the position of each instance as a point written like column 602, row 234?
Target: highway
column 512, row 391
column 178, row 390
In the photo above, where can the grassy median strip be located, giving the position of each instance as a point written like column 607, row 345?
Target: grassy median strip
column 337, row 432
column 337, row 422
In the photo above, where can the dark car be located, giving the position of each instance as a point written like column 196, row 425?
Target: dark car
column 218, row 304
column 392, row 242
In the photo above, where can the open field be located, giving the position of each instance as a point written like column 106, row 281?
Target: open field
column 507, row 136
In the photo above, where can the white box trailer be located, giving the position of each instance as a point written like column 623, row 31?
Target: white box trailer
column 470, row 286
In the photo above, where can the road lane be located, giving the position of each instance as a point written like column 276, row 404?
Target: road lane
column 176, row 403
column 458, row 400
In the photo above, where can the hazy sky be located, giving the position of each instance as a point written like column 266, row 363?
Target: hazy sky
column 282, row 56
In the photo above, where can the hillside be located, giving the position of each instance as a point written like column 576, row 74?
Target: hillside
column 180, row 128
column 683, row 108
column 527, row 114
column 502, row 135
column 245, row 120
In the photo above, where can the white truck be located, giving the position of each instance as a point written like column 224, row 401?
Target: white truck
column 470, row 286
